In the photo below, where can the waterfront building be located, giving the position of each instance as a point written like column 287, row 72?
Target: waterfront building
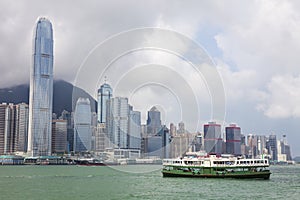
column 233, row 139
column 173, row 130
column 181, row 128
column 59, row 136
column 261, row 144
column 94, row 130
column 22, row 117
column 100, row 138
column 154, row 122
column 65, row 115
column 7, row 128
column 212, row 138
column 41, row 91
column 158, row 145
column 181, row 143
column 272, row 147
column 134, row 132
column 82, row 125
column 117, row 122
column 104, row 94
column 197, row 144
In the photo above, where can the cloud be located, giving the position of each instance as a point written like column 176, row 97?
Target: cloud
column 268, row 41
column 282, row 97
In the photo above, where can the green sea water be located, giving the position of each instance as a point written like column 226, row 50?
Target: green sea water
column 78, row 182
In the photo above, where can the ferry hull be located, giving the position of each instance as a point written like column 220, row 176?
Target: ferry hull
column 256, row 175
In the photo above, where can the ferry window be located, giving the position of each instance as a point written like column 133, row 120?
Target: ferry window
column 266, row 161
column 251, row 161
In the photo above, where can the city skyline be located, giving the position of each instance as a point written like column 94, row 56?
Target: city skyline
column 255, row 55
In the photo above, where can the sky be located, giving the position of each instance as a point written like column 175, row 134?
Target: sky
column 228, row 61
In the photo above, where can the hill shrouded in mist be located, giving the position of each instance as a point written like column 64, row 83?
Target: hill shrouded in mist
column 63, row 92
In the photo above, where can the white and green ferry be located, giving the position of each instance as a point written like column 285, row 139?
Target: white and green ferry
column 212, row 166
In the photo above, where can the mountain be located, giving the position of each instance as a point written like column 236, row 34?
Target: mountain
column 63, row 92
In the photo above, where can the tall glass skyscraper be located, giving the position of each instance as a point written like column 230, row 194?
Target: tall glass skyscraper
column 82, row 125
column 41, row 91
column 212, row 138
column 154, row 126
column 233, row 139
column 117, row 122
column 104, row 94
column 134, row 132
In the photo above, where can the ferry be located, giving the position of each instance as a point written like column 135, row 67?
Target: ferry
column 213, row 166
column 89, row 162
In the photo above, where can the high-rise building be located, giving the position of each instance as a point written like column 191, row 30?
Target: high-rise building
column 65, row 115
column 22, row 127
column 3, row 128
column 117, row 122
column 261, row 144
column 7, row 128
column 272, row 146
column 13, row 128
column 59, row 136
column 181, row 128
column 154, row 126
column 212, row 138
column 173, row 130
column 82, row 125
column 233, row 139
column 104, row 94
column 158, row 145
column 134, row 132
column 41, row 91
column 100, row 138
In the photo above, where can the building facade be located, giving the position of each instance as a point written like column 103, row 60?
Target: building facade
column 154, row 126
column 104, row 94
column 233, row 139
column 59, row 136
column 22, row 127
column 117, row 122
column 212, row 138
column 41, row 91
column 134, row 132
column 82, row 125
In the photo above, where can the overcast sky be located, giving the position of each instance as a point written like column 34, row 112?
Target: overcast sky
column 254, row 46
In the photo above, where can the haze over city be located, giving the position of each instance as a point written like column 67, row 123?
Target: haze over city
column 254, row 46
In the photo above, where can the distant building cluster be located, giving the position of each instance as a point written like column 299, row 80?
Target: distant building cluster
column 115, row 131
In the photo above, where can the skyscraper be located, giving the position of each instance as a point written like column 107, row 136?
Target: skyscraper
column 117, row 122
column 59, row 136
column 272, row 146
column 104, row 94
column 82, row 125
column 154, row 122
column 181, row 128
column 7, row 128
column 41, row 91
column 65, row 115
column 22, row 127
column 134, row 132
column 212, row 138
column 233, row 139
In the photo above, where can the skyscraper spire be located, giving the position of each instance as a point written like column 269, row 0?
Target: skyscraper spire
column 41, row 90
column 105, row 93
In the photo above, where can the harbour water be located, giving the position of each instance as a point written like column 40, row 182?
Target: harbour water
column 79, row 182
